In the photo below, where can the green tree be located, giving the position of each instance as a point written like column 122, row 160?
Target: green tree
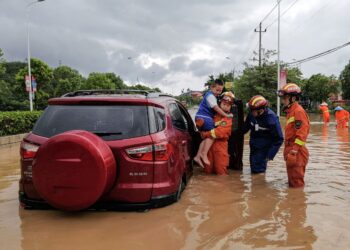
column 257, row 80
column 12, row 96
column 345, row 81
column 2, row 62
column 43, row 75
column 319, row 87
column 4, row 88
column 65, row 79
column 143, row 87
column 98, row 81
column 116, row 80
column 294, row 75
column 17, row 97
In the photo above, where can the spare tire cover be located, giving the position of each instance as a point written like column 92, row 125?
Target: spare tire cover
column 72, row 170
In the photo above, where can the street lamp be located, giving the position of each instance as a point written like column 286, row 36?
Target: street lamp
column 278, row 58
column 28, row 59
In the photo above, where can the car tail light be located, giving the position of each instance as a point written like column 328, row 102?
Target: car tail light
column 28, row 150
column 144, row 153
column 153, row 152
column 162, row 151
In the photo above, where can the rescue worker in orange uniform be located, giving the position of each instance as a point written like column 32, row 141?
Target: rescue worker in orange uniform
column 297, row 130
column 341, row 117
column 218, row 154
column 325, row 112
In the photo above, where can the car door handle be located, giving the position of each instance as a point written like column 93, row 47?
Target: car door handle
column 184, row 142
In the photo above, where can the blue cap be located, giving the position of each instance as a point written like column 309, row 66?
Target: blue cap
column 338, row 108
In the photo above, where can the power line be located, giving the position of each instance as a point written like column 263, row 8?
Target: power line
column 283, row 13
column 248, row 48
column 260, row 30
column 318, row 55
column 269, row 13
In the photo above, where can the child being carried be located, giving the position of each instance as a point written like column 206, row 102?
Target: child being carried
column 205, row 119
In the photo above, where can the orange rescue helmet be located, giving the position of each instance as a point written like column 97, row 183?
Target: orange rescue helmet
column 228, row 97
column 257, row 102
column 291, row 89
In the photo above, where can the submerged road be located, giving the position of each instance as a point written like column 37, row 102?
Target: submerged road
column 239, row 211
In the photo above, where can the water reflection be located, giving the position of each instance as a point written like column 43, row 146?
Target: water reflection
column 325, row 133
column 239, row 211
column 274, row 217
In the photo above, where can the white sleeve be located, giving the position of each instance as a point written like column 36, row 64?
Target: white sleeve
column 212, row 101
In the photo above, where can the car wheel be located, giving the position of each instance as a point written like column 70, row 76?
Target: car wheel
column 180, row 189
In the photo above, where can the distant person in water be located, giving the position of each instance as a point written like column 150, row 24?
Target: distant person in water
column 205, row 119
column 325, row 113
column 341, row 117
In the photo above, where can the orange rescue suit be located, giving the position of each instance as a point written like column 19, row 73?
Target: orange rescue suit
column 296, row 132
column 218, row 153
column 325, row 112
column 342, row 118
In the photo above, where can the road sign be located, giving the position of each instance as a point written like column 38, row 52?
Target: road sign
column 27, row 82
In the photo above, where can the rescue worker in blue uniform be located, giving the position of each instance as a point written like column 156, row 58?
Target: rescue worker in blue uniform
column 266, row 135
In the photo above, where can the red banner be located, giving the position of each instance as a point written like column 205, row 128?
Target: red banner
column 283, row 77
column 27, row 82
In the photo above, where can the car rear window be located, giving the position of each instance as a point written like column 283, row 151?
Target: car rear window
column 108, row 122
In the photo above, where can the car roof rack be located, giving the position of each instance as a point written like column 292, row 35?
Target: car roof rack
column 105, row 91
column 146, row 93
column 158, row 94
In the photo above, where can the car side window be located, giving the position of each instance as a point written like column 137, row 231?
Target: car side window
column 160, row 118
column 177, row 119
column 157, row 119
column 187, row 118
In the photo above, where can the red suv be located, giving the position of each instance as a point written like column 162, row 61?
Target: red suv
column 107, row 149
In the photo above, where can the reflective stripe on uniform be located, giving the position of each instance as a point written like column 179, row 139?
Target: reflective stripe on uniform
column 218, row 123
column 212, row 133
column 299, row 142
column 290, row 120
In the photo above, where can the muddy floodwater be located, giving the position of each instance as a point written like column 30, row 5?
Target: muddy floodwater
column 239, row 211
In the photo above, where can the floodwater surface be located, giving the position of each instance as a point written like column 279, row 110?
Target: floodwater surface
column 239, row 211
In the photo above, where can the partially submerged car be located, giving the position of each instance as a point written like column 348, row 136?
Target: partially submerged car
column 108, row 149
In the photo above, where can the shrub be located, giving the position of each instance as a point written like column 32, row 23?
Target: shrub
column 17, row 122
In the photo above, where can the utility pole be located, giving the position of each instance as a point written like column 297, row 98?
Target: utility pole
column 278, row 60
column 31, row 94
column 260, row 31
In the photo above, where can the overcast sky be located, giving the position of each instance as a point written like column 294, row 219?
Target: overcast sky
column 172, row 44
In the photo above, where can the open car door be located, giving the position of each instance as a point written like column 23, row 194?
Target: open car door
column 236, row 140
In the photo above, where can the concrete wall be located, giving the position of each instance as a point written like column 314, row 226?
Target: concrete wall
column 5, row 140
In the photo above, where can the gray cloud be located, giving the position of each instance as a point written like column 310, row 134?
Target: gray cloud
column 178, row 63
column 180, row 41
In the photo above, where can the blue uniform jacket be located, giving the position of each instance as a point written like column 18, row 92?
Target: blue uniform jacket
column 265, row 132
